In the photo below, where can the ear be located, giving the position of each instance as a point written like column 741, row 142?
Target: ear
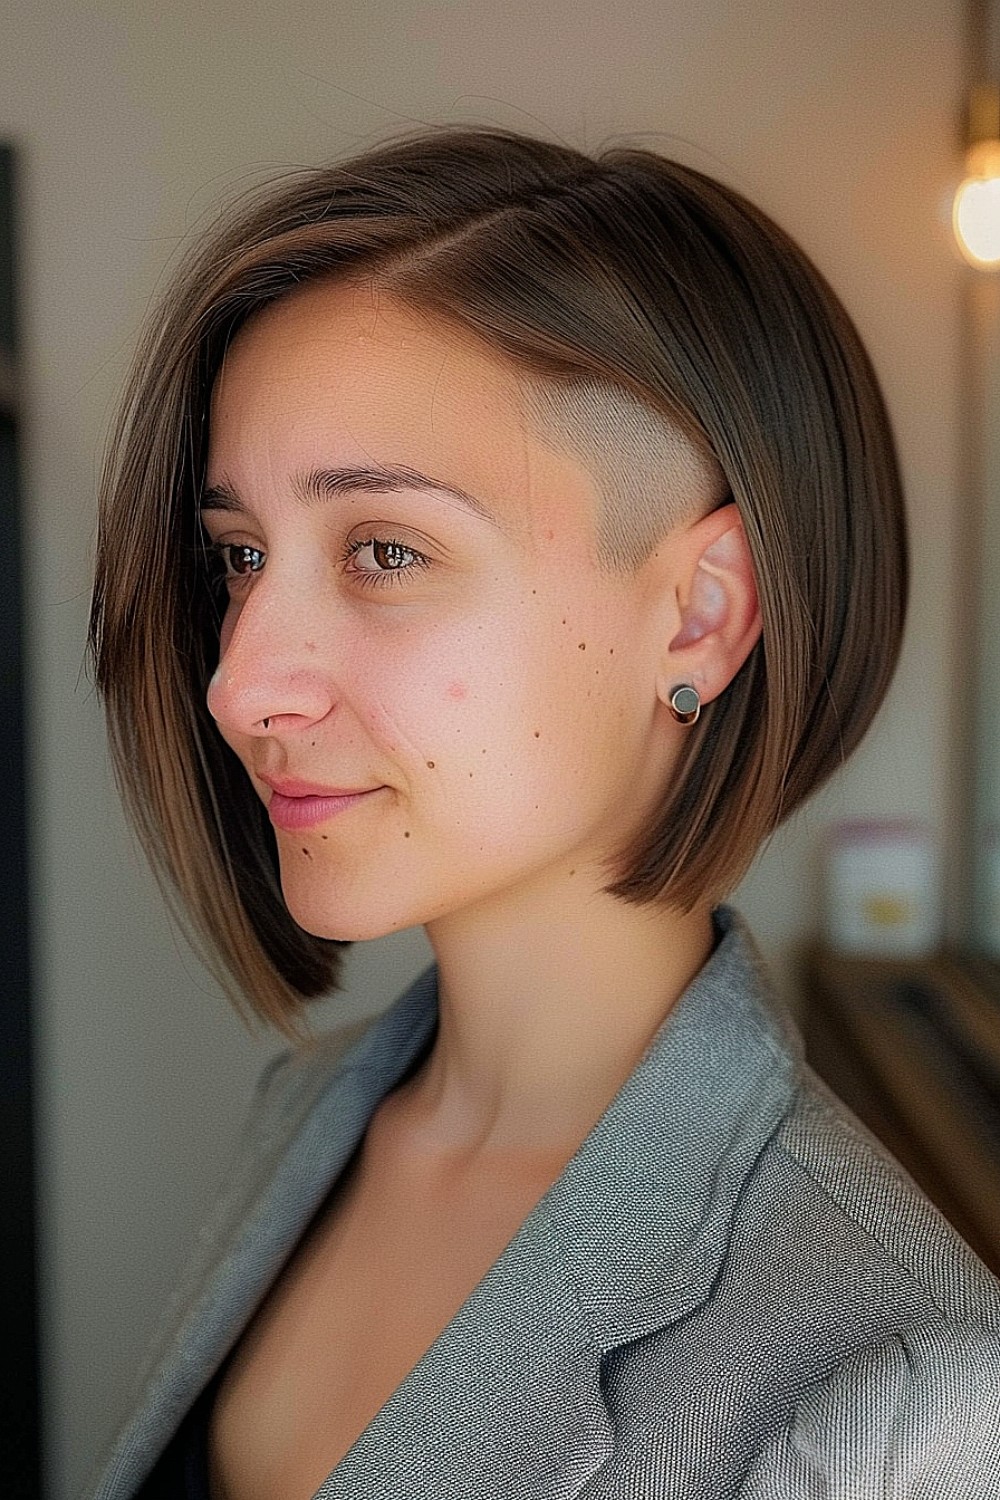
column 717, row 604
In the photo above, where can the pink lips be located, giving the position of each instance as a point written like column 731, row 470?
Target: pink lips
column 300, row 804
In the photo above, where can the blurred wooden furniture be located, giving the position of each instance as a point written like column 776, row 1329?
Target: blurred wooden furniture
column 913, row 1048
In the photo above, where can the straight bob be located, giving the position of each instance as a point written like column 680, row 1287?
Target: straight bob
column 622, row 268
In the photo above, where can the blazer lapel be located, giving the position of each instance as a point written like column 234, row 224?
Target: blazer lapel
column 298, row 1141
column 506, row 1402
column 508, row 1399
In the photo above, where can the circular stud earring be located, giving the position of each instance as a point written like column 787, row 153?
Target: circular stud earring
column 685, row 704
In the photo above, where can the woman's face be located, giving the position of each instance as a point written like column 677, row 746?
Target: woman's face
column 465, row 659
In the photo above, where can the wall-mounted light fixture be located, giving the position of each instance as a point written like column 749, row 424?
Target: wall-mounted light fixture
column 976, row 212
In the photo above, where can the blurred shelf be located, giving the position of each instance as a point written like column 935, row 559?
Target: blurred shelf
column 913, row 1048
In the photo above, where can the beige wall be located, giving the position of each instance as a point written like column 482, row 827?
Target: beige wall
column 982, row 561
column 133, row 122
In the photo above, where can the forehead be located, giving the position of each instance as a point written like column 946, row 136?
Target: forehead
column 341, row 373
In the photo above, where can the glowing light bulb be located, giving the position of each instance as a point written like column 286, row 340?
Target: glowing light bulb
column 976, row 212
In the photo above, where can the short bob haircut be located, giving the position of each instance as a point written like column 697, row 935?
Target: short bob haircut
column 621, row 273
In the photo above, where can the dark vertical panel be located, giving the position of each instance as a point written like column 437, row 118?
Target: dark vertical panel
column 19, row 1403
column 8, row 332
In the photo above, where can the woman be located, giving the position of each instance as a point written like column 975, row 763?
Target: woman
column 485, row 538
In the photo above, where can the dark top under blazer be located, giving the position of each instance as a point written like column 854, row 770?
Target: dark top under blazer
column 730, row 1291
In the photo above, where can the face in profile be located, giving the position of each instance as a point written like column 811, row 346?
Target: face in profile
column 415, row 612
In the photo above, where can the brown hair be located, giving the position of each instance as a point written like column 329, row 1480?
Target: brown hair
column 619, row 273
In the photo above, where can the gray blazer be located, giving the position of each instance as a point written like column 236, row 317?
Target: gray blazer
column 730, row 1291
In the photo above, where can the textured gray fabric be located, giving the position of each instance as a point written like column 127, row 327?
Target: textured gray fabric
column 731, row 1292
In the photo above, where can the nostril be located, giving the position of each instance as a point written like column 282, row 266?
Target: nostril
column 254, row 690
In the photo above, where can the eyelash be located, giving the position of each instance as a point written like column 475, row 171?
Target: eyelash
column 376, row 578
column 385, row 575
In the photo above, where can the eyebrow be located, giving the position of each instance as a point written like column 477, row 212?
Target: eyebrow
column 323, row 484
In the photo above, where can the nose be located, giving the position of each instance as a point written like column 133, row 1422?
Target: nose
column 272, row 673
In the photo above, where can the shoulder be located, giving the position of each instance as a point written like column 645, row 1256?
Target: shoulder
column 345, row 1070
column 844, row 1176
column 290, row 1083
column 908, row 1401
column 849, row 1346
column 917, row 1414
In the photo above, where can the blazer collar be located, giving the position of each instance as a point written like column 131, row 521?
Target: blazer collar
column 628, row 1239
column 670, row 1152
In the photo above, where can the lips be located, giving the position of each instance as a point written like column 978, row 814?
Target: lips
column 303, row 804
column 288, row 786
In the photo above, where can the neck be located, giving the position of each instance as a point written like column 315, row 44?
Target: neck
column 545, row 1007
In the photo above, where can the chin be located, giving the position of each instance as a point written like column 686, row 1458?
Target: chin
column 339, row 928
column 344, row 925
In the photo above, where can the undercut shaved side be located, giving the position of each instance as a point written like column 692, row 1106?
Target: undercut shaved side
column 650, row 475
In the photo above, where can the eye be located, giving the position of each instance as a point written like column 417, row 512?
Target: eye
column 393, row 560
column 235, row 560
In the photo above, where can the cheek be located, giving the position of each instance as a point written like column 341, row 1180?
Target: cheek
column 229, row 618
column 529, row 710
column 447, row 705
column 522, row 693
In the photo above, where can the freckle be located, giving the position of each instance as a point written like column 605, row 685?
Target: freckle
column 310, row 645
column 406, row 833
column 430, row 765
column 564, row 622
column 572, row 872
column 612, row 651
column 484, row 749
column 582, row 646
column 538, row 734
column 324, row 836
column 470, row 774
column 307, row 854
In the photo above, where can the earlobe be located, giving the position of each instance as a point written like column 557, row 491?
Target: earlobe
column 719, row 606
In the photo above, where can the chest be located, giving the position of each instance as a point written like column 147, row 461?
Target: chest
column 384, row 1269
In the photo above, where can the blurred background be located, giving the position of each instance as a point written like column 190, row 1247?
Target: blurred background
column 127, row 126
